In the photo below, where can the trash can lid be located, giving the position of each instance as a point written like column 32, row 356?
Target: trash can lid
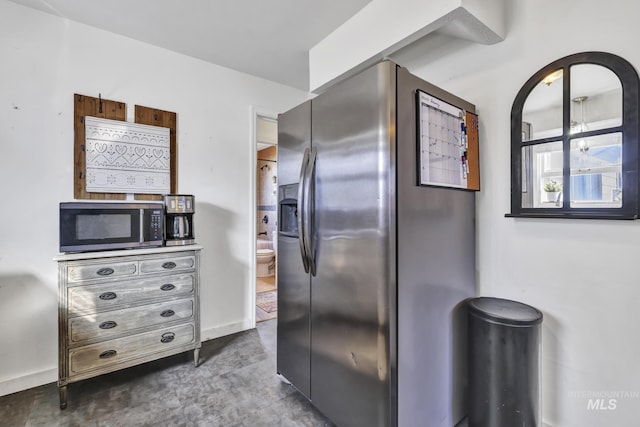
column 505, row 311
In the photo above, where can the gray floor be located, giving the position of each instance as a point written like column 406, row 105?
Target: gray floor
column 235, row 385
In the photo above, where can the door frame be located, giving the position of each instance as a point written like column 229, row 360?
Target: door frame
column 256, row 113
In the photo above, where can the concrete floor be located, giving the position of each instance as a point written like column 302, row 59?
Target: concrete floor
column 235, row 385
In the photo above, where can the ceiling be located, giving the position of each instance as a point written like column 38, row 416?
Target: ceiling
column 269, row 39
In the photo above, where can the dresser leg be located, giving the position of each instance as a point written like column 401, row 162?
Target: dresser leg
column 196, row 357
column 63, row 396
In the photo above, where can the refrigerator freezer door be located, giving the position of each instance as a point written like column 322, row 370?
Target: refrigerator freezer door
column 294, row 135
column 294, row 287
column 353, row 294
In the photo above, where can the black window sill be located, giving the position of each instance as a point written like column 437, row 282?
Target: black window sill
column 571, row 215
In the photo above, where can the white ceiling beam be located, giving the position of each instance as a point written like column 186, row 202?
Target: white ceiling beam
column 385, row 26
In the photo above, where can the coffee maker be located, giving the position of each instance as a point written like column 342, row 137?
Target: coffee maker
column 179, row 210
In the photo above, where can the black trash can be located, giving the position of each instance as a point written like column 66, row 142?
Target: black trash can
column 504, row 359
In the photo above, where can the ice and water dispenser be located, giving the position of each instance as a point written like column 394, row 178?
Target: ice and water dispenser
column 288, row 201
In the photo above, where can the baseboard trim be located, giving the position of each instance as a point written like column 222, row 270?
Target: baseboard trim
column 228, row 329
column 25, row 382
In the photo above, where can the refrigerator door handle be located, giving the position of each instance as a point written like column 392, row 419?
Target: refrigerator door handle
column 309, row 206
column 300, row 208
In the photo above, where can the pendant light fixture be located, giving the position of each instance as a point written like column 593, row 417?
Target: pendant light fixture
column 582, row 126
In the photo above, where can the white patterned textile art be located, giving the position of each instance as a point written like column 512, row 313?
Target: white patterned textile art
column 124, row 157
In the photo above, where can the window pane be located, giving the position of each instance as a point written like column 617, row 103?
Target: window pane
column 542, row 111
column 596, row 95
column 596, row 171
column 542, row 175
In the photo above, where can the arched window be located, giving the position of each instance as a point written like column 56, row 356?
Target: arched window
column 574, row 140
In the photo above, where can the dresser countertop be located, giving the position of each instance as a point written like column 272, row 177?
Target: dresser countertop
column 125, row 252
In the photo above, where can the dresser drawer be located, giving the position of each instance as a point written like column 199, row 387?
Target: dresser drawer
column 101, row 355
column 167, row 264
column 109, row 296
column 117, row 322
column 105, row 270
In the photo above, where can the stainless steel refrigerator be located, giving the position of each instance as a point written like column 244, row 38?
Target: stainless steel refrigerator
column 373, row 269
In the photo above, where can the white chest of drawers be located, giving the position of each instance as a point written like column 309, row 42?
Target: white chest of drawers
column 121, row 308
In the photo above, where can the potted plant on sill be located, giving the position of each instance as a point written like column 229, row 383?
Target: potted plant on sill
column 552, row 189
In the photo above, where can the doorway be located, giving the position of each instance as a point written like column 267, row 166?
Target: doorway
column 266, row 218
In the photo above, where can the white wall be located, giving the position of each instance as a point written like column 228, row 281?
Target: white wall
column 581, row 273
column 45, row 60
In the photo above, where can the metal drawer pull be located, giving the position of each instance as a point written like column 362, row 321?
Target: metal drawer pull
column 107, row 296
column 169, row 265
column 109, row 324
column 167, row 337
column 167, row 313
column 107, row 354
column 105, row 271
column 167, row 287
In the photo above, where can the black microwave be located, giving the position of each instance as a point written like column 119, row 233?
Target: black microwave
column 96, row 226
